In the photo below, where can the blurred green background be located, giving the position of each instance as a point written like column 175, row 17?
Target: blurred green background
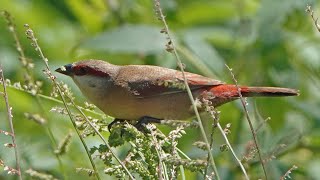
column 266, row 43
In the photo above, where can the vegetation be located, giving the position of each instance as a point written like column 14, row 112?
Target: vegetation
column 53, row 133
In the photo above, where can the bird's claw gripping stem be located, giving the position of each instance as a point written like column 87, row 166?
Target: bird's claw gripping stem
column 116, row 120
column 139, row 125
column 145, row 120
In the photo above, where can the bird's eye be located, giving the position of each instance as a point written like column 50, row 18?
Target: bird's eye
column 80, row 71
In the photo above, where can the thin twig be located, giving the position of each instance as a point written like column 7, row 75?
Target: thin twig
column 287, row 174
column 102, row 138
column 52, row 78
column 215, row 117
column 42, row 96
column 315, row 20
column 195, row 61
column 24, row 61
column 161, row 169
column 262, row 123
column 179, row 151
column 171, row 48
column 27, row 65
column 31, row 36
column 51, row 136
column 232, row 151
column 211, row 147
column 6, row 133
column 9, row 112
column 249, row 121
column 78, row 132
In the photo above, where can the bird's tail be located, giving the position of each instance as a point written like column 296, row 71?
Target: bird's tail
column 228, row 91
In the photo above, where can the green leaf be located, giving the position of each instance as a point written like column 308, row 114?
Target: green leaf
column 270, row 24
column 128, row 39
column 198, row 12
column 196, row 40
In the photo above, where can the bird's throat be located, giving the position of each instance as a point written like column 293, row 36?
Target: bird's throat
column 94, row 88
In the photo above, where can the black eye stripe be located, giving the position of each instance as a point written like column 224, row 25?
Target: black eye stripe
column 80, row 70
column 83, row 70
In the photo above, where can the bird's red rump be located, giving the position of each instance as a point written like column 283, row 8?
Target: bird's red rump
column 227, row 90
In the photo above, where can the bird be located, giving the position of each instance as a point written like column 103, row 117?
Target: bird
column 147, row 93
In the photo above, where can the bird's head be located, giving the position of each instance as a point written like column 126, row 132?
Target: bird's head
column 91, row 76
column 97, row 68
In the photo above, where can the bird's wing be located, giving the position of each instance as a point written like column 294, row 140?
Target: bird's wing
column 148, row 81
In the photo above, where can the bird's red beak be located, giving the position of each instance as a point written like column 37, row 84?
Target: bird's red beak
column 66, row 70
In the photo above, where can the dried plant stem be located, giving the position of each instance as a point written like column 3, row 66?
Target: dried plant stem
column 315, row 20
column 30, row 35
column 28, row 76
column 287, row 174
column 232, row 151
column 262, row 124
column 249, row 122
column 183, row 177
column 195, row 61
column 22, row 58
column 102, row 138
column 42, row 96
column 51, row 136
column 75, row 127
column 9, row 112
column 179, row 62
column 161, row 169
column 211, row 146
column 215, row 118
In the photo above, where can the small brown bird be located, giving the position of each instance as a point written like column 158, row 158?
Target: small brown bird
column 151, row 93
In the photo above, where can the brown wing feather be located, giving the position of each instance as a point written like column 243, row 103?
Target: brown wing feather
column 146, row 81
column 198, row 80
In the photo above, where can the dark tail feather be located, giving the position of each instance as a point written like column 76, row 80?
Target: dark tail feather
column 268, row 91
column 227, row 90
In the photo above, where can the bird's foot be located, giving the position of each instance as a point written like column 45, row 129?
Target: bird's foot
column 116, row 120
column 140, row 125
column 145, row 120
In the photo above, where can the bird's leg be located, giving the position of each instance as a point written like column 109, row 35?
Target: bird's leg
column 116, row 120
column 145, row 120
column 139, row 125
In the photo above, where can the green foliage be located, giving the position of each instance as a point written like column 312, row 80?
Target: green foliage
column 134, row 39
